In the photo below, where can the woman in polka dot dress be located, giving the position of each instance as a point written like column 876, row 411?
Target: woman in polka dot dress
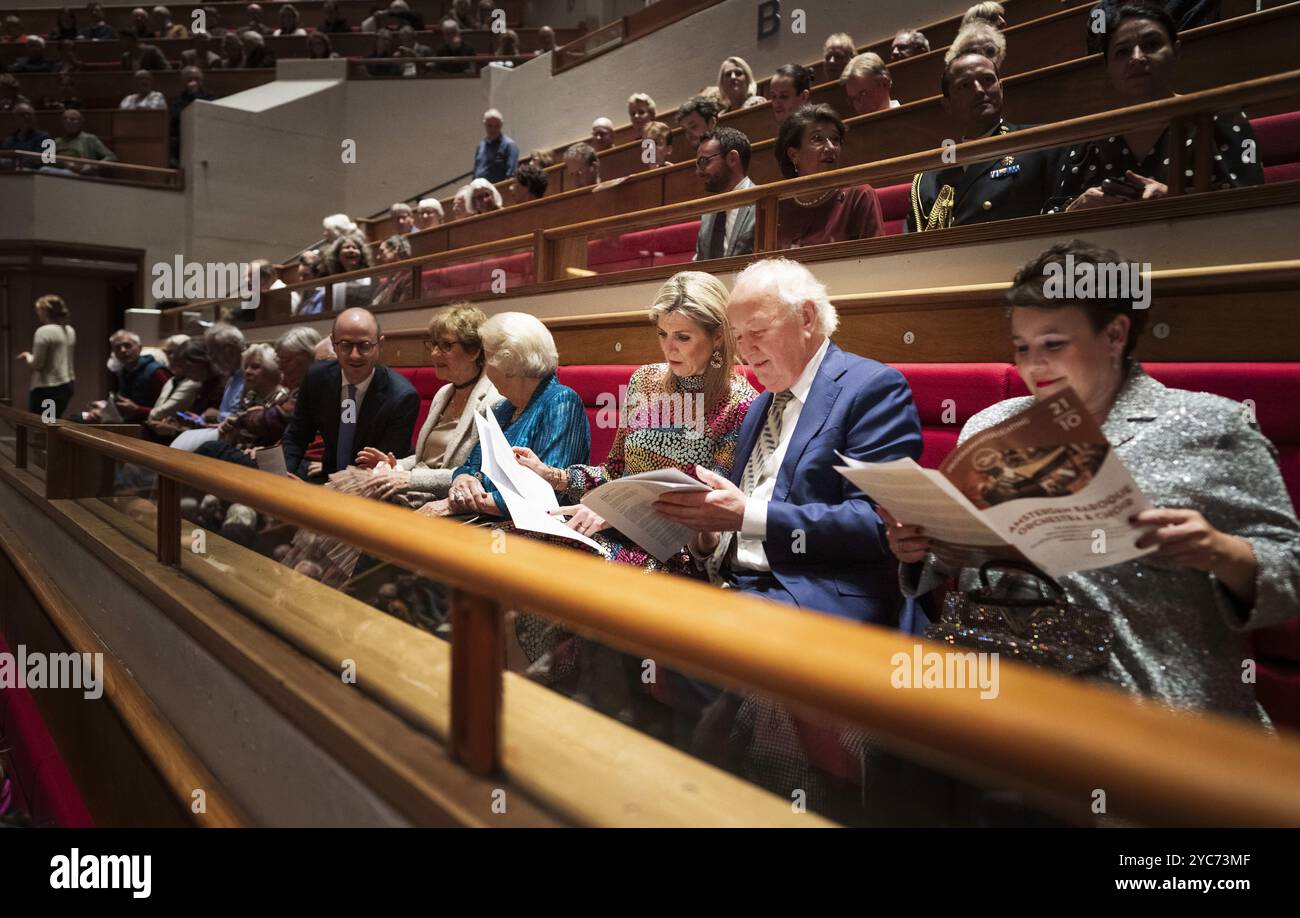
column 1142, row 50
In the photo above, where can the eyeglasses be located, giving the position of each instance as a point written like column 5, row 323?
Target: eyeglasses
column 703, row 161
column 443, row 346
column 818, row 139
column 364, row 348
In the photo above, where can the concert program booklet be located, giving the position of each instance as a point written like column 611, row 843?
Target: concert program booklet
column 627, row 504
column 1044, row 487
column 527, row 495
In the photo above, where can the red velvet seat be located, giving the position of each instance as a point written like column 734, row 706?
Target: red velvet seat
column 1279, row 145
column 662, row 245
column 894, row 203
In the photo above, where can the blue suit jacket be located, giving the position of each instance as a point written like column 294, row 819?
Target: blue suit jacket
column 863, row 409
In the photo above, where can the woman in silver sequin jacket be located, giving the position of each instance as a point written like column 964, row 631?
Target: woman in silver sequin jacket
column 1228, row 543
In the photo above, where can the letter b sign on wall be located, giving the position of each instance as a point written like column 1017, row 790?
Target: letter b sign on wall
column 769, row 18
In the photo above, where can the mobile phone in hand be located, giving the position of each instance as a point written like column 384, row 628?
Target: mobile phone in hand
column 189, row 418
column 1121, row 188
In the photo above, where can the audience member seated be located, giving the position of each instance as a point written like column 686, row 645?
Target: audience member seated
column 868, row 85
column 737, row 86
column 145, row 96
column 529, row 185
column 13, row 31
column 332, row 20
column 393, row 288
column 428, row 213
column 259, row 374
column 194, row 387
column 192, row 92
column 484, row 197
column 507, row 46
column 385, row 50
column 256, row 53
column 403, row 216
column 581, row 166
column 255, row 22
column 35, row 60
column 641, row 112
column 789, row 90
column 336, row 225
column 989, row 12
column 400, row 12
column 67, row 61
column 836, row 52
column 908, row 43
column 497, row 156
column 79, row 143
column 811, row 141
column 204, row 53
column 165, row 26
column 453, row 45
column 1224, row 530
column 352, row 402
column 784, row 525
column 10, row 95
column 1141, row 53
column 139, row 56
column 224, row 344
column 978, row 37
column 319, row 47
column 137, row 382
column 1014, row 186
column 696, row 116
column 1186, row 14
column 602, row 135
column 311, row 265
column 723, row 163
column 460, row 203
column 486, row 14
column 140, row 25
column 99, row 29
column 65, row 25
column 232, row 51
column 545, row 40
column 536, row 411
column 348, row 253
column 661, row 135
column 27, row 137
column 290, row 23
column 65, row 95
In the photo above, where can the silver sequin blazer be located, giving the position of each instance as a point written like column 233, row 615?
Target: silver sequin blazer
column 1179, row 636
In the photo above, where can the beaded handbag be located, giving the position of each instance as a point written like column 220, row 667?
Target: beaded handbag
column 1053, row 633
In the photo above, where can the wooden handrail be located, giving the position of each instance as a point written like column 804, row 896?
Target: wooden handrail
column 1156, row 765
column 168, row 176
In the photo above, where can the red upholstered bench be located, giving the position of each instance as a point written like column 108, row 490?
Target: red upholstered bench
column 663, row 245
column 1279, row 145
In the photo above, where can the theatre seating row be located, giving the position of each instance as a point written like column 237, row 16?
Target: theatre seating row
column 968, row 388
column 1278, row 139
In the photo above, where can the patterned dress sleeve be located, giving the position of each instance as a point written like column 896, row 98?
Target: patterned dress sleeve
column 583, row 478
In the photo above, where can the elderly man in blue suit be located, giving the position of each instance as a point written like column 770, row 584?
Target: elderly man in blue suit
column 787, row 526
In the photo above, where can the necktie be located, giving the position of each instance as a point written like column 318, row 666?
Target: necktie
column 347, row 429
column 764, row 447
column 718, row 236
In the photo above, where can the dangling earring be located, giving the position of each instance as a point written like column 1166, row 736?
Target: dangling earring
column 716, row 360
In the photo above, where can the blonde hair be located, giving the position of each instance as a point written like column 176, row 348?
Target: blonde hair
column 642, row 98
column 865, row 64
column 974, row 38
column 657, row 130
column 984, row 12
column 702, row 298
column 738, row 62
column 839, row 38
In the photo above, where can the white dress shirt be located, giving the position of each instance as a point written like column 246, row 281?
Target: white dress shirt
column 750, row 554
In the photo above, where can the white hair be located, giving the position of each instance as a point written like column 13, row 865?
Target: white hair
column 341, row 224
column 265, row 352
column 493, row 113
column 518, row 344
column 432, row 203
column 791, row 284
column 123, row 333
column 484, row 183
column 866, row 64
column 464, row 194
column 401, row 207
column 301, row 339
column 602, row 122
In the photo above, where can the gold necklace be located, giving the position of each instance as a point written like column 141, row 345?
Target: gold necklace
column 826, row 194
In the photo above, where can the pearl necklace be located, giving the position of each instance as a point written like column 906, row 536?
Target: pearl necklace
column 824, row 196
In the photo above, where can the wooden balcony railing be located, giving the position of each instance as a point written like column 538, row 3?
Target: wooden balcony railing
column 1052, row 738
column 22, row 162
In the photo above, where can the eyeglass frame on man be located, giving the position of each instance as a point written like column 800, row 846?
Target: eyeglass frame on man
column 364, row 348
column 702, row 162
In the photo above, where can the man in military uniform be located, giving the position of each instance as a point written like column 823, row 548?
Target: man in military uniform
column 1013, row 186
